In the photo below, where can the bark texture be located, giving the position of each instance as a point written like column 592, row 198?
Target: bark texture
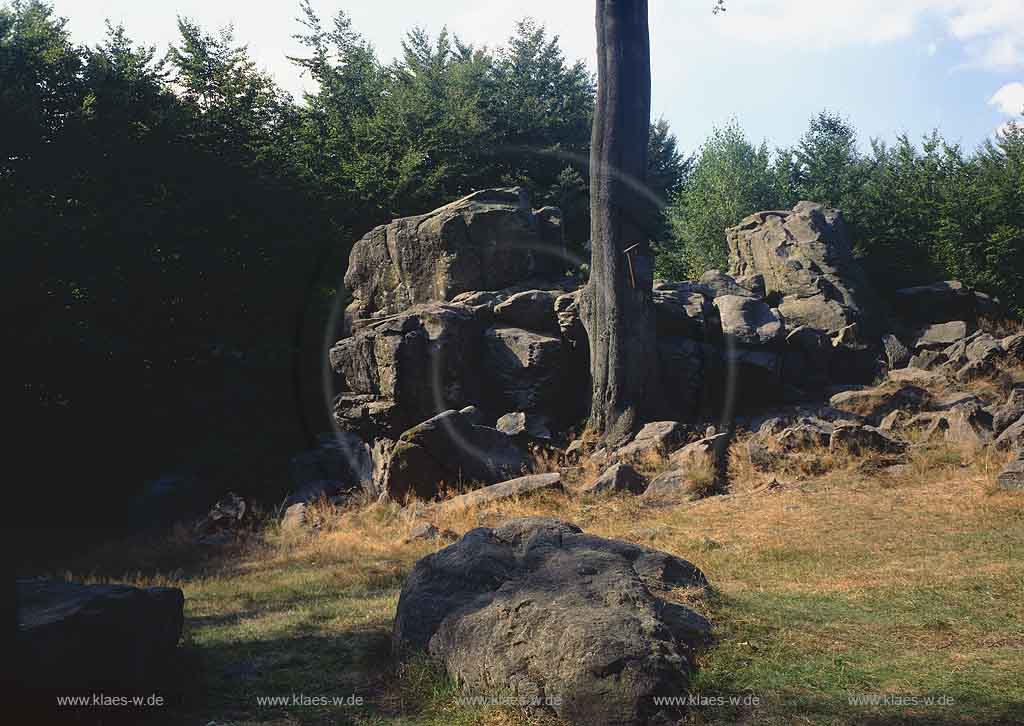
column 617, row 306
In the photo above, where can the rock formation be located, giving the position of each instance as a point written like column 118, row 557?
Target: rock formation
column 806, row 259
column 493, row 362
column 488, row 240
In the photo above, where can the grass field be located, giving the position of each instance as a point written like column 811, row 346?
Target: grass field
column 844, row 579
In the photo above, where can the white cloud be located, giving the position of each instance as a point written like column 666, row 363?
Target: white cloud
column 933, row 48
column 990, row 31
column 1009, row 99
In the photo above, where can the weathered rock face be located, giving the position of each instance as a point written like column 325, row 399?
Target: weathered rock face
column 488, row 240
column 75, row 639
column 545, row 611
column 749, row 321
column 401, row 370
column 527, row 368
column 805, row 258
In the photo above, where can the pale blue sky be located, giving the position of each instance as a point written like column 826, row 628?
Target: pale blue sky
column 889, row 65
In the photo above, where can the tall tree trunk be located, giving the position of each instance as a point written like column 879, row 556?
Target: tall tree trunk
column 617, row 306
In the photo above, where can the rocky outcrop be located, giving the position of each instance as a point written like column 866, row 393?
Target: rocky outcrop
column 75, row 639
column 806, row 260
column 450, row 449
column 540, row 610
column 793, row 319
column 488, row 240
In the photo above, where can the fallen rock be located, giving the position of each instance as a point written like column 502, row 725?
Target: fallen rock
column 1012, row 475
column 861, row 439
column 538, row 609
column 75, row 639
column 617, row 478
column 806, row 258
column 522, row 486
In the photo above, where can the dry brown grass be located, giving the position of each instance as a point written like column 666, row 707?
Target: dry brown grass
column 831, row 574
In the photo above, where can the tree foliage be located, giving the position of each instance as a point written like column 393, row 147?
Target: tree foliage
column 916, row 212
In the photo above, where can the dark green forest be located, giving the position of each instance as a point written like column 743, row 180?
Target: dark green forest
column 180, row 224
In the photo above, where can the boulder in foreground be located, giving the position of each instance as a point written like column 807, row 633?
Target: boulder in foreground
column 75, row 638
column 574, row 622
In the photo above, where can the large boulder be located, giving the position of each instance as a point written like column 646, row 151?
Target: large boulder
column 75, row 639
column 488, row 240
column 538, row 610
column 806, row 259
column 450, row 448
column 403, row 369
